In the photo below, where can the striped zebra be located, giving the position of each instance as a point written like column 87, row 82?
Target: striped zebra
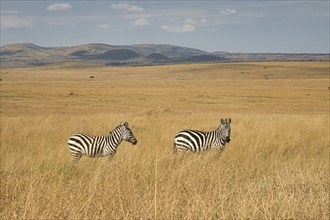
column 198, row 141
column 100, row 146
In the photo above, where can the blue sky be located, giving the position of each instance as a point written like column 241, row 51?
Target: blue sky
column 234, row 26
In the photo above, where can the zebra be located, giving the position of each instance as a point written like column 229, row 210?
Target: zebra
column 100, row 146
column 198, row 141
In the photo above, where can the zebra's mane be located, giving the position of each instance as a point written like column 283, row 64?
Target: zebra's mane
column 86, row 134
column 116, row 128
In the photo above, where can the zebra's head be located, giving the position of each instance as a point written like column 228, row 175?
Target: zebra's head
column 225, row 129
column 128, row 134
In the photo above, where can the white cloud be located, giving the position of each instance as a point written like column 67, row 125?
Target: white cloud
column 190, row 21
column 103, row 26
column 127, row 7
column 12, row 21
column 134, row 8
column 120, row 6
column 174, row 28
column 59, row 7
column 228, row 11
column 204, row 21
column 141, row 22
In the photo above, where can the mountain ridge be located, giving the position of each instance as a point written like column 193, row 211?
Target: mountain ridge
column 29, row 54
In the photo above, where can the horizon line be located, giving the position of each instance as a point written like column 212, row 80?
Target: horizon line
column 223, row 51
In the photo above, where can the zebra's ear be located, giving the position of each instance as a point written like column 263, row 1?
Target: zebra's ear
column 124, row 123
column 229, row 120
column 222, row 121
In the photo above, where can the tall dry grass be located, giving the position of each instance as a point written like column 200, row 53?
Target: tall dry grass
column 275, row 167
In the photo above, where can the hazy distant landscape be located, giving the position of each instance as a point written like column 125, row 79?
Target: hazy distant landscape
column 27, row 54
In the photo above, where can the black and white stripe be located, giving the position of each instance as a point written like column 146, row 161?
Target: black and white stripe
column 198, row 141
column 100, row 146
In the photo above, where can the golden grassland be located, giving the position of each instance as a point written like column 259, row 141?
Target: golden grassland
column 275, row 167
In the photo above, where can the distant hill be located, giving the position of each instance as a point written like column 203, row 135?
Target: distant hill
column 117, row 54
column 27, row 54
column 165, row 49
column 157, row 56
column 202, row 58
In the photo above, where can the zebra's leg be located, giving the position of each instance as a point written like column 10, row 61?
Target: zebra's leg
column 179, row 148
column 174, row 147
column 109, row 155
column 216, row 152
column 179, row 154
column 76, row 157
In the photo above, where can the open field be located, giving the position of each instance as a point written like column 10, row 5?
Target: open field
column 276, row 165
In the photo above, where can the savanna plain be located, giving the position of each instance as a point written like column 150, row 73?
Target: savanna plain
column 275, row 167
